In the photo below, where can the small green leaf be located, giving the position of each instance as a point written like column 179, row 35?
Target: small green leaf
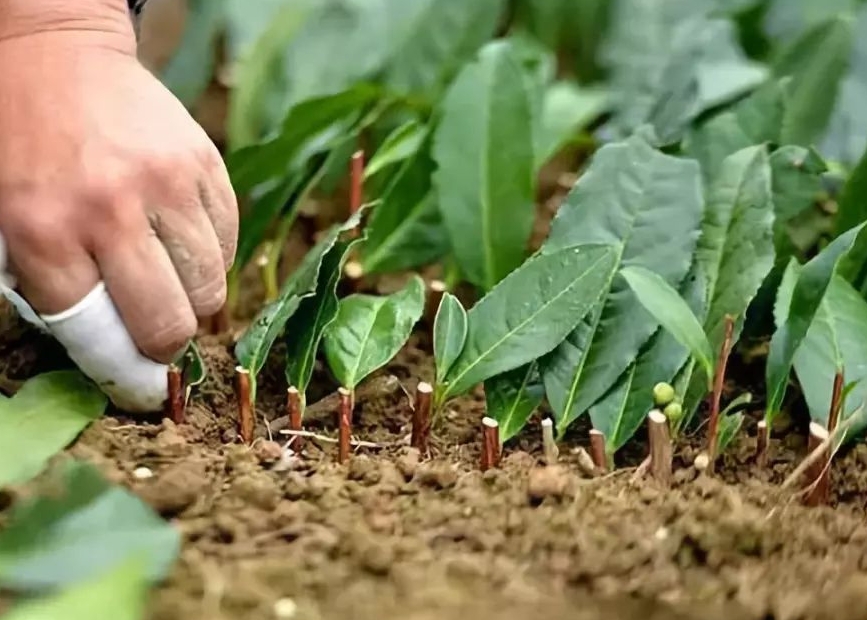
column 47, row 413
column 852, row 204
column 193, row 368
column 305, row 329
column 729, row 427
column 449, row 334
column 512, row 397
column 797, row 180
column 55, row 540
column 786, row 20
column 566, row 110
column 253, row 346
column 672, row 312
column 807, row 295
column 368, row 331
column 121, row 591
column 483, row 147
column 529, row 313
column 398, row 146
column 406, row 230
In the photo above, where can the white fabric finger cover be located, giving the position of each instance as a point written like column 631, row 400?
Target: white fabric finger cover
column 96, row 339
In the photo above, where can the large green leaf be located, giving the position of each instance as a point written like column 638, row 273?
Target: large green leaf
column 405, row 229
column 399, row 145
column 623, row 410
column 529, row 313
column 786, row 20
column 55, row 540
column 833, row 342
column 512, row 397
column 369, row 330
column 807, row 295
column 669, row 62
column 816, row 63
column 757, row 119
column 305, row 329
column 253, row 346
column 852, row 203
column 797, row 180
column 449, row 334
column 846, row 137
column 648, row 206
column 736, row 247
column 120, row 591
column 673, row 313
column 47, row 413
column 483, row 148
column 435, row 38
column 191, row 67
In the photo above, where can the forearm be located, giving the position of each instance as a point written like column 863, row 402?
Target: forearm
column 28, row 17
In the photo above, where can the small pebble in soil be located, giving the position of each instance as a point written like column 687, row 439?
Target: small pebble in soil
column 550, row 481
column 176, row 489
column 142, row 473
column 285, row 608
column 268, row 452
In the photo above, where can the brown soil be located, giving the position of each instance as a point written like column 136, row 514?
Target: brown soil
column 392, row 535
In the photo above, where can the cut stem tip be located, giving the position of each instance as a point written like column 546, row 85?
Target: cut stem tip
column 421, row 417
column 659, row 437
column 345, row 425
column 597, row 450
column 490, row 444
column 246, row 421
column 549, row 446
column 177, row 401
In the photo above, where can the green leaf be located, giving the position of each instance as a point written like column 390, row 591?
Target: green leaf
column 398, row 146
column 253, row 346
column 786, row 20
column 623, row 410
column 566, row 110
column 512, row 397
column 449, row 334
column 648, row 206
column 832, row 342
column 807, row 295
column 193, row 369
column 729, row 427
column 191, row 67
column 736, row 247
column 852, row 204
column 309, row 126
column 797, row 180
column 436, row 38
column 529, row 313
column 405, row 230
column 368, row 331
column 55, row 540
column 47, row 413
column 122, row 590
column 757, row 119
column 483, row 148
column 305, row 329
column 672, row 312
column 846, row 137
column 817, row 63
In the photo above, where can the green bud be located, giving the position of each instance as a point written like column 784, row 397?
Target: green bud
column 673, row 411
column 663, row 394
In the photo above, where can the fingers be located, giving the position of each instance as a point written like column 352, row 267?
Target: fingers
column 145, row 287
column 219, row 200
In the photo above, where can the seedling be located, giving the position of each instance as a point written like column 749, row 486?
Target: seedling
column 421, row 421
column 490, row 444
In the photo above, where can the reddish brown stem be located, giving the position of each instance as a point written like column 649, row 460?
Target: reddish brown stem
column 293, row 412
column 246, row 422
column 176, row 403
column 356, row 196
column 421, row 417
column 597, row 450
column 436, row 289
column 762, row 437
column 818, row 474
column 659, row 437
column 718, row 381
column 490, row 444
column 836, row 402
column 345, row 422
column 219, row 322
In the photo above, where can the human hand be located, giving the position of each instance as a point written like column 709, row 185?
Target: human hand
column 105, row 178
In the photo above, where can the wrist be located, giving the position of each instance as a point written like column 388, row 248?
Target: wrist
column 107, row 19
